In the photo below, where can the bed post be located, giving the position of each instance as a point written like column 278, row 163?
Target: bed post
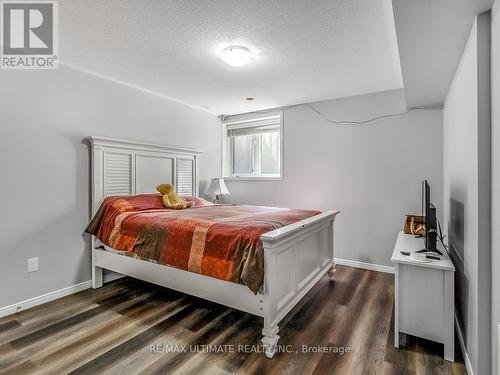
column 269, row 304
column 270, row 338
column 331, row 272
column 331, row 252
column 96, row 270
column 97, row 194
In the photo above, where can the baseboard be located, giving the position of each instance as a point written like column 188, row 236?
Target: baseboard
column 44, row 298
column 363, row 265
column 468, row 365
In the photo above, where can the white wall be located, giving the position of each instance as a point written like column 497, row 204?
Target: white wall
column 44, row 164
column 467, row 187
column 495, row 129
column 371, row 173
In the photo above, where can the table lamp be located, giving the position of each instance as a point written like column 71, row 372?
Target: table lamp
column 217, row 188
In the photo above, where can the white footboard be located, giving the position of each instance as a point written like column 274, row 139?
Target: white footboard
column 296, row 257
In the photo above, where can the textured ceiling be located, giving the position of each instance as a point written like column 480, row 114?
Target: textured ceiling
column 306, row 51
column 432, row 35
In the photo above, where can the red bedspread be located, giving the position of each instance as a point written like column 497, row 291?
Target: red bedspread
column 221, row 241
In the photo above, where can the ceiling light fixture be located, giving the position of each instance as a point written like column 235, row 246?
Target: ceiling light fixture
column 236, row 56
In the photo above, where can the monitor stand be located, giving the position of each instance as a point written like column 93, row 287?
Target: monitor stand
column 432, row 239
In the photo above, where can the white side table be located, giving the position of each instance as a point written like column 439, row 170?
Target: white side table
column 424, row 296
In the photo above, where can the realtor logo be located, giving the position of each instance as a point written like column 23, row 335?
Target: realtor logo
column 29, row 35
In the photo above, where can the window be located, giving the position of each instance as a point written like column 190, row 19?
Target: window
column 252, row 146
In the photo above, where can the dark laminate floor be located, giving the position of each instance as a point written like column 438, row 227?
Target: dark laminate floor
column 112, row 330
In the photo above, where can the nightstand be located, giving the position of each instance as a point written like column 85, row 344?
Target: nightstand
column 424, row 296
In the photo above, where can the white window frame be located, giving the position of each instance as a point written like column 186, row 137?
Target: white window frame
column 227, row 150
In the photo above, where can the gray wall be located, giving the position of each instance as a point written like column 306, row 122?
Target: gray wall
column 371, row 173
column 45, row 166
column 495, row 129
column 467, row 185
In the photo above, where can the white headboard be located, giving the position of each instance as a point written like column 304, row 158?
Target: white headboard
column 121, row 167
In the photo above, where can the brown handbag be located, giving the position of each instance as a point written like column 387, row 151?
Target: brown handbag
column 415, row 225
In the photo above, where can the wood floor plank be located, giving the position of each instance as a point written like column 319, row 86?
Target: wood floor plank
column 111, row 331
column 52, row 312
column 59, row 333
column 56, row 339
column 135, row 343
column 204, row 361
column 179, row 334
column 105, row 337
column 170, row 362
column 26, row 367
column 9, row 325
column 41, row 334
column 349, row 329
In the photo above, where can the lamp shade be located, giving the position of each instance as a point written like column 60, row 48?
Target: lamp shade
column 217, row 187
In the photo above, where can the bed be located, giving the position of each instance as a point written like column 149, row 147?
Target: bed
column 295, row 253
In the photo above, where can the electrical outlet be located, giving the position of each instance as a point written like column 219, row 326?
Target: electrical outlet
column 33, row 264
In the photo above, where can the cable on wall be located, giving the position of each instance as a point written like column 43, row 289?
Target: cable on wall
column 373, row 119
column 348, row 122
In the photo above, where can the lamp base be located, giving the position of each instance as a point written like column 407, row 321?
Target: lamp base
column 216, row 199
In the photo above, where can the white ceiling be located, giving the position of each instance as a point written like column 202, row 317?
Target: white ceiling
column 306, row 50
column 432, row 35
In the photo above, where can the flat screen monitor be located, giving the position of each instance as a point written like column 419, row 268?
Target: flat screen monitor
column 429, row 213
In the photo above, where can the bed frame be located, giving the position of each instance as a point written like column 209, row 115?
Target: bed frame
column 296, row 256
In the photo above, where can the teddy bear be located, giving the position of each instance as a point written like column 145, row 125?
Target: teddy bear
column 171, row 199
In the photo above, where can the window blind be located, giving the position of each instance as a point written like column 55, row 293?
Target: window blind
column 261, row 125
